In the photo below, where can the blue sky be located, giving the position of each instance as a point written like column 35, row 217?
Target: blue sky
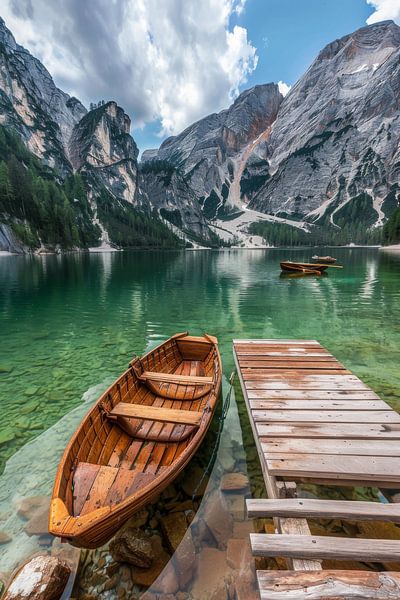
column 169, row 63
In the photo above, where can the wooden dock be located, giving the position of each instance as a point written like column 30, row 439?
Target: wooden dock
column 314, row 421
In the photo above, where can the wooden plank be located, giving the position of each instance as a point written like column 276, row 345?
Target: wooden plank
column 318, row 585
column 339, row 446
column 83, row 479
column 325, row 509
column 98, row 492
column 288, row 372
column 325, row 416
column 304, row 394
column 173, row 378
column 324, row 547
column 250, row 366
column 319, row 405
column 331, row 430
column 283, row 382
column 276, row 342
column 278, row 354
column 155, row 413
column 363, row 468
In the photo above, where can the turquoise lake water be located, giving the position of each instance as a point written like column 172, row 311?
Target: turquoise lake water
column 70, row 322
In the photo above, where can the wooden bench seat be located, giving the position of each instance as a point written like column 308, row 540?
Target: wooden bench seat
column 155, row 413
column 176, row 379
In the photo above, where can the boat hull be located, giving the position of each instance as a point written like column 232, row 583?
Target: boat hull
column 307, row 268
column 113, row 467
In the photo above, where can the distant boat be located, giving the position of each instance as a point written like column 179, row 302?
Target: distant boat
column 329, row 260
column 136, row 439
column 306, row 268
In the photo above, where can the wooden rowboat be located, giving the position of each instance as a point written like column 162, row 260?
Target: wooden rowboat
column 328, row 260
column 136, row 439
column 307, row 268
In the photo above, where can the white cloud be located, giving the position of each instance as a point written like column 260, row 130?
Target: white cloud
column 384, row 10
column 174, row 60
column 284, row 88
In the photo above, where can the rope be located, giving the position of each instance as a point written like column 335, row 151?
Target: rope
column 225, row 409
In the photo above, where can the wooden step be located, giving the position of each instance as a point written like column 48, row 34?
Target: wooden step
column 155, row 413
column 177, row 379
column 325, row 509
column 309, row 585
column 320, row 547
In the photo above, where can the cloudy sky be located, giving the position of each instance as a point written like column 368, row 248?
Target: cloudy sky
column 171, row 62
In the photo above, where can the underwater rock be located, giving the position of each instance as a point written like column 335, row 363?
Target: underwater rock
column 234, row 482
column 132, row 546
column 184, row 560
column 194, row 483
column 4, row 537
column 6, row 436
column 217, row 518
column 138, row 520
column 174, row 527
column 212, row 578
column 146, row 577
column 167, row 583
column 226, row 459
column 31, row 390
column 42, row 578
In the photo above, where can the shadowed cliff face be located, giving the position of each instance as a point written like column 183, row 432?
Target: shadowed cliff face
column 208, row 151
column 336, row 136
column 31, row 103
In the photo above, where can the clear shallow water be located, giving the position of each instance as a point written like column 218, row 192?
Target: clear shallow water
column 69, row 322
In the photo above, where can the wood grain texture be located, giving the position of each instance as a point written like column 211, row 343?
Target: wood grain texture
column 367, row 469
column 134, row 441
column 324, row 547
column 318, row 585
column 154, row 413
column 326, row 509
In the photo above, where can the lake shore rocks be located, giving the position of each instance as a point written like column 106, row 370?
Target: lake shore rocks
column 42, row 578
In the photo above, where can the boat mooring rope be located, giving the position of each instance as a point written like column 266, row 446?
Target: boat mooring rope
column 225, row 408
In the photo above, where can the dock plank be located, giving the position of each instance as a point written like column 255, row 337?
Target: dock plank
column 334, row 548
column 338, row 446
column 325, row 416
column 333, row 466
column 332, row 430
column 319, row 405
column 317, row 585
column 325, row 509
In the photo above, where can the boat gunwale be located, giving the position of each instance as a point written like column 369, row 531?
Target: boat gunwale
column 72, row 527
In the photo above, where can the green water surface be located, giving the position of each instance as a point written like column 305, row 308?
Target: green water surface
column 70, row 322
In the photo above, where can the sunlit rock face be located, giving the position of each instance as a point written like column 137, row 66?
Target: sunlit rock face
column 207, row 151
column 335, row 142
column 102, row 145
column 31, row 103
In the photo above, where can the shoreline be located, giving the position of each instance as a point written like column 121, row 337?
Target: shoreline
column 104, row 250
column 392, row 248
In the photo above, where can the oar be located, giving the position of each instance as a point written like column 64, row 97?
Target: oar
column 334, row 266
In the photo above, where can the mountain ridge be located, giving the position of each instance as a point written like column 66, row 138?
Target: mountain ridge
column 324, row 158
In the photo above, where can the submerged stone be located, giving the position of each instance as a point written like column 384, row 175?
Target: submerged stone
column 132, row 546
column 42, row 578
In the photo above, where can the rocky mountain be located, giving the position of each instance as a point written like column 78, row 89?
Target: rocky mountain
column 31, row 103
column 324, row 158
column 101, row 204
column 333, row 155
column 207, row 153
